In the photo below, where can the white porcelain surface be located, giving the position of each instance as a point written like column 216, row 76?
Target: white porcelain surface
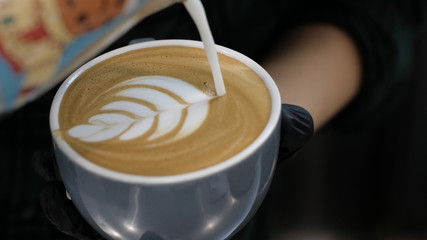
column 207, row 204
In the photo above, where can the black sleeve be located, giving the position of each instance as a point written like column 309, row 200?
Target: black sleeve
column 383, row 32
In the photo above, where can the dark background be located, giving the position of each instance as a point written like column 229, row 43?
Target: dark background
column 366, row 184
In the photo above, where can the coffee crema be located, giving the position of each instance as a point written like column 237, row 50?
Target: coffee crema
column 153, row 111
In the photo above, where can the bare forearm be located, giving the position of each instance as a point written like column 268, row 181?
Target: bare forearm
column 316, row 67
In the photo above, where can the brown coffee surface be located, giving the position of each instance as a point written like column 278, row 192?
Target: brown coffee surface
column 233, row 122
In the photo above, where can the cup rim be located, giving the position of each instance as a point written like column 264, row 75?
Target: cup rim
column 140, row 179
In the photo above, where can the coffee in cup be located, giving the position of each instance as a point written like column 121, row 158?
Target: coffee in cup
column 154, row 111
column 199, row 195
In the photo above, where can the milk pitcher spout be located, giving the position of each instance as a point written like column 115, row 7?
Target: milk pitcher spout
column 43, row 41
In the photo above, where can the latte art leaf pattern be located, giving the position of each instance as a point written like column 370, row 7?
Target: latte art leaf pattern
column 149, row 106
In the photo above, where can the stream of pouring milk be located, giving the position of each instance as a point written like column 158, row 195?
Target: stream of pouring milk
column 197, row 13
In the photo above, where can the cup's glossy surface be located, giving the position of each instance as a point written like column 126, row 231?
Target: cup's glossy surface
column 211, row 203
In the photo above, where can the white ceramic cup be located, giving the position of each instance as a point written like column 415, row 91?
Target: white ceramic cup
column 211, row 203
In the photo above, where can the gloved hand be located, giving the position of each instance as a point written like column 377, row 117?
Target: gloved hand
column 296, row 130
column 60, row 211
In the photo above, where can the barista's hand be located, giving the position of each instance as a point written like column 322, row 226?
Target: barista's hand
column 60, row 211
column 296, row 130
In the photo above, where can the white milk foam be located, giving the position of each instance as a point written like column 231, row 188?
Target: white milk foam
column 169, row 112
column 128, row 120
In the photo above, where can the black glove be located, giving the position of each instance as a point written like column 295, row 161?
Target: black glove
column 60, row 211
column 296, row 130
